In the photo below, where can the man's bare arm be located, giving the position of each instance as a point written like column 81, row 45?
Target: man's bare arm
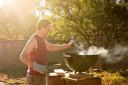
column 55, row 47
column 27, row 49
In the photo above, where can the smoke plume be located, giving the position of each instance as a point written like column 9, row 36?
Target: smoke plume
column 114, row 54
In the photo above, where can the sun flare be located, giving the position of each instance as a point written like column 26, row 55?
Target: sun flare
column 4, row 3
column 1, row 3
column 43, row 11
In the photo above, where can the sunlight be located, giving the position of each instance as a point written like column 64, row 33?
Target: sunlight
column 37, row 13
column 43, row 11
column 6, row 3
column 11, row 4
column 43, row 3
column 48, row 13
column 1, row 3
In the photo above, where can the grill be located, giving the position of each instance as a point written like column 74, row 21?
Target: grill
column 80, row 63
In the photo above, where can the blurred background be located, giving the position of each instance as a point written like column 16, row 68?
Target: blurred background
column 101, row 23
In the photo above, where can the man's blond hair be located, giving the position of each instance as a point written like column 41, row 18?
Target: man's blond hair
column 42, row 23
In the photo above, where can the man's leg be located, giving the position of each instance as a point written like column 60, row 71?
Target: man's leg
column 36, row 80
column 30, row 81
column 39, row 80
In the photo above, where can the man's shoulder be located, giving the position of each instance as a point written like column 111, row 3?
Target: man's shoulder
column 32, row 39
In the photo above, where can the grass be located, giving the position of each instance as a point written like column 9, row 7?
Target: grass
column 17, row 81
column 112, row 78
column 107, row 79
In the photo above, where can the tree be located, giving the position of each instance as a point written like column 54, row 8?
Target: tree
column 98, row 22
column 17, row 20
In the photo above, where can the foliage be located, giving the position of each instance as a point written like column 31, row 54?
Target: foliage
column 112, row 78
column 67, row 20
column 111, row 22
column 18, row 81
column 98, row 22
column 3, row 77
column 17, row 20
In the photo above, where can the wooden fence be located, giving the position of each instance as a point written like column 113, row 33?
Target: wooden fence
column 9, row 56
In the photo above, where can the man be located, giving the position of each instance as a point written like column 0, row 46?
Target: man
column 35, row 51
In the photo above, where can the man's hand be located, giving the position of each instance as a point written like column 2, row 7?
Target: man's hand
column 55, row 47
column 71, row 44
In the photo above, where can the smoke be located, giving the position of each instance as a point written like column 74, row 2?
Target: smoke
column 115, row 54
column 93, row 50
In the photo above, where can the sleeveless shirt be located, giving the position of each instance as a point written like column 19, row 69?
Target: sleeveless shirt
column 38, row 55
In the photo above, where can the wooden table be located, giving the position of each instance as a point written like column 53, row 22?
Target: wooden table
column 55, row 80
column 62, row 80
column 86, row 81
